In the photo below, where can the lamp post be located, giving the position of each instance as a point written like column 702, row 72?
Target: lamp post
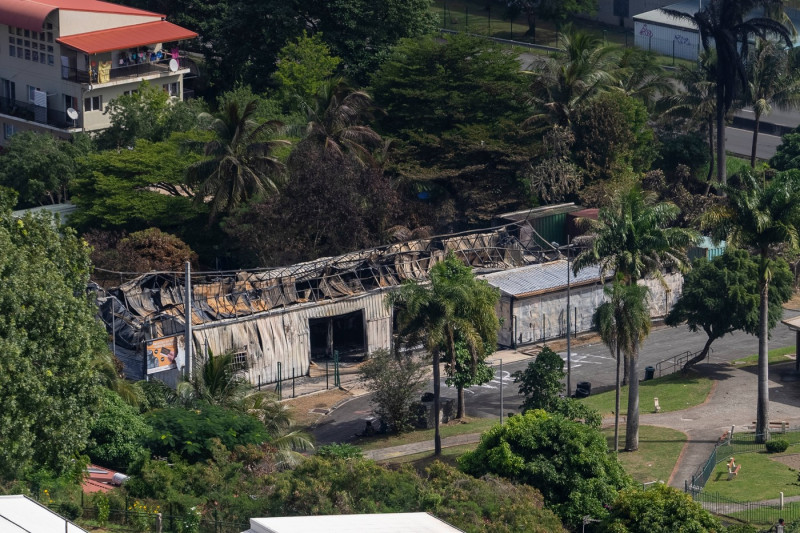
column 569, row 354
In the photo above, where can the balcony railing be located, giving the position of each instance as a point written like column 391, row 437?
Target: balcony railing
column 135, row 70
column 33, row 113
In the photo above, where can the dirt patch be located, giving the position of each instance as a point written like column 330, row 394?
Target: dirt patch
column 306, row 410
column 794, row 301
column 792, row 460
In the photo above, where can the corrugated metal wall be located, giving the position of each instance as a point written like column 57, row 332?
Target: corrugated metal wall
column 284, row 336
column 543, row 317
column 666, row 40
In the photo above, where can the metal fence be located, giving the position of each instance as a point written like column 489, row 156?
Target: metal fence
column 170, row 523
column 324, row 374
column 730, row 445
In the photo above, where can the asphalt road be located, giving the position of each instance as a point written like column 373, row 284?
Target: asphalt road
column 740, row 142
column 590, row 362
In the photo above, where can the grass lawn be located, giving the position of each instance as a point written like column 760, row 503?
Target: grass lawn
column 674, row 392
column 658, row 452
column 778, row 355
column 421, row 461
column 456, row 427
column 760, row 478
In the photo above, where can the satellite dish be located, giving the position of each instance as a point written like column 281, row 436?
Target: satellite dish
column 71, row 113
column 173, row 65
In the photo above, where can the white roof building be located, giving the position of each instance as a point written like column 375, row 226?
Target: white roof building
column 374, row 523
column 20, row 514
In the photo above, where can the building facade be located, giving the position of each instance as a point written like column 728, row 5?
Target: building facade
column 63, row 61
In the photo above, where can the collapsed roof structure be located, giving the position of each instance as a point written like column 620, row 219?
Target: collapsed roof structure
column 289, row 314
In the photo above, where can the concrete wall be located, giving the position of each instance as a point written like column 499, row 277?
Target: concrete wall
column 684, row 44
column 542, row 317
column 75, row 22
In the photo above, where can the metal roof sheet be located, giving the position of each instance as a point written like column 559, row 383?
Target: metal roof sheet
column 31, row 14
column 126, row 37
column 374, row 523
column 20, row 514
column 540, row 278
column 656, row 16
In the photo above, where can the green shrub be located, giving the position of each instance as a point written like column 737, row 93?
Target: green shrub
column 660, row 508
column 190, row 432
column 777, row 445
column 70, row 510
column 103, row 507
column 340, row 450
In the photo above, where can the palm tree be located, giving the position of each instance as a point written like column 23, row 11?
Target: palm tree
column 334, row 122
column 771, row 80
column 220, row 384
column 582, row 69
column 240, row 165
column 697, row 101
column 631, row 238
column 642, row 77
column 453, row 306
column 723, row 24
column 622, row 322
column 764, row 217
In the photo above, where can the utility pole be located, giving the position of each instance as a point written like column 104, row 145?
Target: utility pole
column 187, row 342
column 569, row 354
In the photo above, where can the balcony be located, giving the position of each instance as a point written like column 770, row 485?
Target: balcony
column 130, row 71
column 33, row 113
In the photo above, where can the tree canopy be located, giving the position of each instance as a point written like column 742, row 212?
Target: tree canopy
column 566, row 460
column 48, row 339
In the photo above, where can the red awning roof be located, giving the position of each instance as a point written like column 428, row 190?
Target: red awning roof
column 96, row 42
column 30, row 14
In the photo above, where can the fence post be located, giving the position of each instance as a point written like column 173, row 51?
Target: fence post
column 336, row 378
column 781, row 500
column 730, row 435
column 278, row 387
column 292, row 382
column 327, row 373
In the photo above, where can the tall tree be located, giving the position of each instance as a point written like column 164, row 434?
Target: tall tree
column 622, row 321
column 556, row 11
column 725, row 25
column 240, row 164
column 696, row 100
column 48, row 340
column 632, row 239
column 642, row 76
column 336, row 122
column 771, row 81
column 765, row 218
column 581, row 69
column 453, row 306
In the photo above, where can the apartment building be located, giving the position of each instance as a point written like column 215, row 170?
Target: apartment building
column 63, row 61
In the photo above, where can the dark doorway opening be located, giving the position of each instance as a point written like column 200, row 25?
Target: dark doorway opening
column 344, row 334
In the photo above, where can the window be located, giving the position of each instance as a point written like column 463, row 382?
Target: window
column 50, row 60
column 93, row 103
column 31, row 93
column 30, row 48
column 8, row 130
column 171, row 88
column 239, row 361
column 12, row 51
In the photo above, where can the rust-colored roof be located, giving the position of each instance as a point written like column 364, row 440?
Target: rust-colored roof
column 30, row 14
column 96, row 42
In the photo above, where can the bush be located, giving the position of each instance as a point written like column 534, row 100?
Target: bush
column 116, row 433
column 342, row 451
column 70, row 510
column 103, row 507
column 660, row 508
column 396, row 381
column 777, row 445
column 567, row 461
column 191, row 432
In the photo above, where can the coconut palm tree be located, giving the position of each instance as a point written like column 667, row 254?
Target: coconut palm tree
column 453, row 307
column 642, row 77
column 725, row 26
column 632, row 239
column 582, row 69
column 771, row 80
column 240, row 164
column 696, row 101
column 622, row 322
column 763, row 217
column 336, row 119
